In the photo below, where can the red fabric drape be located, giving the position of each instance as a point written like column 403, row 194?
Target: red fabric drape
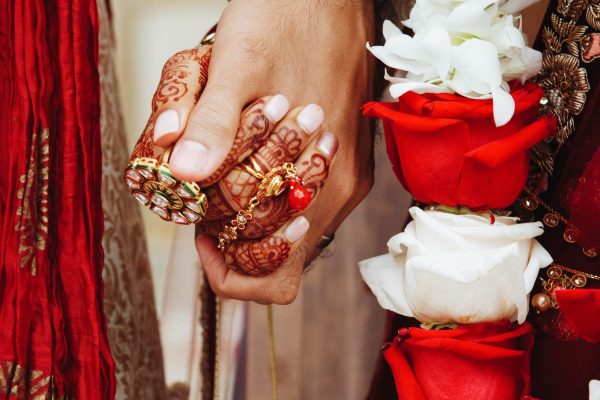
column 52, row 327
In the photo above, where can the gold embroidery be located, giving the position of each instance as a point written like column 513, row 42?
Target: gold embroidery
column 33, row 194
column 16, row 383
column 566, row 45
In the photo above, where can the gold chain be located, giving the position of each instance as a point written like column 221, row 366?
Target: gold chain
column 273, row 184
column 272, row 361
column 552, row 218
column 559, row 277
column 575, row 272
column 217, row 371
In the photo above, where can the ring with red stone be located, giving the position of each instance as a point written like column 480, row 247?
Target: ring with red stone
column 272, row 184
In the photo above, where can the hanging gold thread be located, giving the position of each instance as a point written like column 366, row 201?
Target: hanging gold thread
column 272, row 360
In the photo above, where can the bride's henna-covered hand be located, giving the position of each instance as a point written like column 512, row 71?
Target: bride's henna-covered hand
column 182, row 81
column 266, row 255
column 296, row 136
column 310, row 51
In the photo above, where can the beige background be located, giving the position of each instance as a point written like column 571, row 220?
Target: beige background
column 147, row 33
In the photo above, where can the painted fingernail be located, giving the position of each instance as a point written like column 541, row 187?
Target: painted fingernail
column 167, row 122
column 188, row 156
column 296, row 229
column 310, row 118
column 327, row 144
column 277, row 107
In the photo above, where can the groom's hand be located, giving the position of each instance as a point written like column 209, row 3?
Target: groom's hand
column 309, row 51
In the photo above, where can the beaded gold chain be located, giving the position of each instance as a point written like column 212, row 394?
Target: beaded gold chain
column 273, row 183
column 552, row 218
column 559, row 277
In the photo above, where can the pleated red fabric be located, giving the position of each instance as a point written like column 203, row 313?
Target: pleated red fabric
column 53, row 339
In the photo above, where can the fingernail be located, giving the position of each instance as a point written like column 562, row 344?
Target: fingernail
column 189, row 156
column 277, row 107
column 327, row 144
column 296, row 229
column 167, row 122
column 310, row 118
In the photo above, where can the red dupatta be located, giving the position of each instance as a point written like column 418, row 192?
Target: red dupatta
column 53, row 341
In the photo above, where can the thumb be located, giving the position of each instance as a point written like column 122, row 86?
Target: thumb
column 217, row 137
column 208, row 136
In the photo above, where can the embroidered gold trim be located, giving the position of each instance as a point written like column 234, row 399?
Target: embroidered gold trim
column 17, row 383
column 566, row 46
column 33, row 195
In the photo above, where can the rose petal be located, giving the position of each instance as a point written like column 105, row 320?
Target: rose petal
column 458, row 268
column 385, row 277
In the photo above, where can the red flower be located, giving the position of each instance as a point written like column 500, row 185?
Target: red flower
column 482, row 361
column 445, row 148
column 581, row 308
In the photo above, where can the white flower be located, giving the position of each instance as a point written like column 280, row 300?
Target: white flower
column 469, row 47
column 458, row 268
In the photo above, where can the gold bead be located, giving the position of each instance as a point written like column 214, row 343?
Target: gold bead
column 541, row 302
column 590, row 252
column 570, row 235
column 554, row 272
column 578, row 280
column 550, row 220
column 530, row 203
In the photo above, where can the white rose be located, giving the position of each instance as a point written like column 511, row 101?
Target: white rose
column 458, row 268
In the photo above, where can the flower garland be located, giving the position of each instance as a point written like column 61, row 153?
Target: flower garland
column 459, row 138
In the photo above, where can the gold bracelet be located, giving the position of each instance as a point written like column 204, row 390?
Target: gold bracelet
column 273, row 184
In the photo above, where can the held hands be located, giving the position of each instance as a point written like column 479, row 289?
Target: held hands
column 215, row 132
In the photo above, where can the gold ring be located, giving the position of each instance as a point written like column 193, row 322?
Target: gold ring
column 151, row 182
column 252, row 167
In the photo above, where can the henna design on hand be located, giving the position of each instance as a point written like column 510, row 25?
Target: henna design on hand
column 230, row 194
column 234, row 191
column 270, row 215
column 258, row 258
column 283, row 145
column 253, row 130
column 172, row 87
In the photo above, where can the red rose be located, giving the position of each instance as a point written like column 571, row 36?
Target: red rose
column 581, row 308
column 482, row 361
column 446, row 149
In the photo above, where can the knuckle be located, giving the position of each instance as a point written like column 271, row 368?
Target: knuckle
column 212, row 122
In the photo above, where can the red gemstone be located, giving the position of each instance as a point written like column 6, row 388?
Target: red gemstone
column 298, row 197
